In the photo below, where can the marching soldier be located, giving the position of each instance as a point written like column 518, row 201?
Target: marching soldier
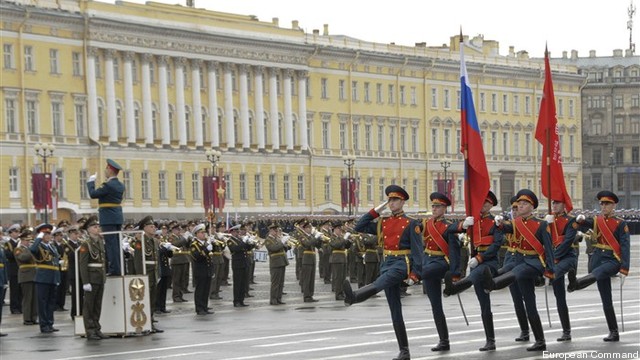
column 91, row 266
column 563, row 235
column 165, row 253
column 15, row 296
column 179, row 263
column 109, row 196
column 403, row 247
column 239, row 265
column 47, row 276
column 26, row 276
column 338, row 260
column 202, row 269
column 440, row 255
column 147, row 260
column 611, row 256
column 3, row 284
column 277, row 264
column 308, row 244
column 533, row 242
column 484, row 253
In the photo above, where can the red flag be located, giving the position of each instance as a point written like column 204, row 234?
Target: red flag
column 41, row 184
column 553, row 185
column 207, row 193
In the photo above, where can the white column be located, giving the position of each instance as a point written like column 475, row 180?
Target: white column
column 302, row 109
column 273, row 108
column 288, row 121
column 182, row 118
column 244, row 107
column 165, row 131
column 228, row 106
column 92, row 95
column 112, row 124
column 128, row 98
column 213, row 104
column 259, row 91
column 197, row 102
column 146, row 100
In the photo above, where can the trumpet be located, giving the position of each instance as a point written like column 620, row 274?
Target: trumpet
column 319, row 235
column 215, row 242
column 289, row 241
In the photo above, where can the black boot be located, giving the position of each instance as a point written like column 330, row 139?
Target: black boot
column 443, row 333
column 443, row 345
column 499, row 282
column 452, row 288
column 579, row 284
column 360, row 295
column 487, row 322
column 524, row 327
column 612, row 323
column 403, row 341
column 538, row 333
column 566, row 325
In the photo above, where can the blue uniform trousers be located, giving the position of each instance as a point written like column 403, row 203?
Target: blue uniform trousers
column 476, row 277
column 393, row 270
column 510, row 261
column 112, row 249
column 569, row 261
column 433, row 270
column 46, row 294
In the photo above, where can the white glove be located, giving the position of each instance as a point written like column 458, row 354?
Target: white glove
column 86, row 287
column 126, row 246
column 549, row 219
column 473, row 263
column 61, row 262
column 210, row 247
column 580, row 218
column 92, row 178
column 381, row 207
column 5, row 286
column 346, row 235
column 167, row 245
column 498, row 219
column 40, row 235
column 461, row 237
column 468, row 221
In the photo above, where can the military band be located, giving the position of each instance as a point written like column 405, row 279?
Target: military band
column 92, row 269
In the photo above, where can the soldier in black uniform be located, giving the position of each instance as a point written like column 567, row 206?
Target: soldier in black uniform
column 3, row 284
column 73, row 243
column 91, row 266
column 148, row 260
column 202, row 269
column 165, row 253
column 61, row 247
column 15, row 296
column 239, row 265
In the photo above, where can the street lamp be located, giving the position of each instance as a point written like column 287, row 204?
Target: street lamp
column 349, row 161
column 445, row 165
column 45, row 150
column 612, row 165
column 213, row 156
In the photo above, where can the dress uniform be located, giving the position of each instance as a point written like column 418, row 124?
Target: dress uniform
column 15, row 296
column 533, row 242
column 109, row 196
column 371, row 258
column 26, row 276
column 61, row 247
column 179, row 263
column 324, row 265
column 485, row 246
column 202, row 269
column 3, row 284
column 308, row 245
column 47, row 276
column 147, row 260
column 91, row 267
column 403, row 247
column 338, row 260
column 217, row 261
column 563, row 236
column 611, row 256
column 441, row 250
column 73, row 244
column 165, row 254
column 278, row 263
column 239, row 265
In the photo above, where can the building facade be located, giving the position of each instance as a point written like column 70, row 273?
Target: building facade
column 610, row 125
column 153, row 86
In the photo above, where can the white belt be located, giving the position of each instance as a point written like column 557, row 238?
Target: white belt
column 95, row 265
column 150, row 262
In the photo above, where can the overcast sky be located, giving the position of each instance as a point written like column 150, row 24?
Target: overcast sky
column 599, row 25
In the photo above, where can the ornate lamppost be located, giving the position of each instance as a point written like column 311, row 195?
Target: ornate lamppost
column 445, row 165
column 349, row 161
column 214, row 157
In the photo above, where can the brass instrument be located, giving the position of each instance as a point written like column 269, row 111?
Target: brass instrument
column 64, row 261
column 289, row 241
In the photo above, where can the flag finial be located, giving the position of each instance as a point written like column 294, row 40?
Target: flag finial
column 461, row 38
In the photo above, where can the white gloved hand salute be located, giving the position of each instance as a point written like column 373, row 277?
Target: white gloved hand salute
column 498, row 219
column 580, row 218
column 93, row 177
column 549, row 219
column 381, row 207
column 468, row 221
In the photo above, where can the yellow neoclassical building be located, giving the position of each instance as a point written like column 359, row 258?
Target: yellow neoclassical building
column 154, row 86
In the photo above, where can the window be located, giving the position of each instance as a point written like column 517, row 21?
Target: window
column 327, row 188
column 341, row 90
column 356, row 132
column 380, row 137
column 494, row 103
column 392, row 138
column 80, row 119
column 127, row 181
column 369, row 189
column 618, row 102
column 458, row 100
column 527, row 105
column 354, row 91
column 415, row 189
column 596, row 157
column 228, row 194
column 483, row 102
column 14, row 183
column 434, row 141
column 258, row 186
column 179, row 186
column 29, row 61
column 9, row 63
column 381, row 189
column 634, row 124
column 571, row 108
column 324, row 88
column 10, row 115
column 54, row 66
column 505, row 143
column 561, row 107
column 527, row 144
column 379, row 93
column 76, row 63
column 505, row 103
column 367, row 97
column 272, row 187
column 301, row 192
column 325, row 134
column 414, row 139
column 195, row 185
column 596, row 181
column 32, row 117
column 635, row 101
column 84, row 193
column 392, row 94
column 516, row 104
column 243, row 186
column 516, row 144
column 144, row 185
column 56, row 118
column 367, row 137
column 414, row 96
column 60, row 184
column 458, row 136
column 434, row 98
column 403, row 96
column 571, row 145
column 162, row 185
column 446, row 139
column 619, row 155
column 343, row 136
column 620, row 182
column 446, row 98
column 619, row 125
column 596, row 126
column 286, row 187
column 494, row 145
column 635, row 155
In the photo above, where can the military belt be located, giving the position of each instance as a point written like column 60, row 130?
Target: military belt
column 182, row 253
column 216, row 253
column 108, row 205
column 150, row 262
column 27, row 266
column 482, row 248
column 280, row 253
column 309, row 252
column 47, row 267
column 1, row 265
column 434, row 252
column 372, row 250
column 95, row 265
column 603, row 246
column 339, row 252
column 527, row 252
column 396, row 252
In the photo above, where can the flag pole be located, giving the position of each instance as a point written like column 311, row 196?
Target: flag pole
column 548, row 140
column 467, row 185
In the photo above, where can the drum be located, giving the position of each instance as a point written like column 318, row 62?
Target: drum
column 260, row 255
column 290, row 254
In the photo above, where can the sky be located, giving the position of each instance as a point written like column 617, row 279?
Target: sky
column 564, row 25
